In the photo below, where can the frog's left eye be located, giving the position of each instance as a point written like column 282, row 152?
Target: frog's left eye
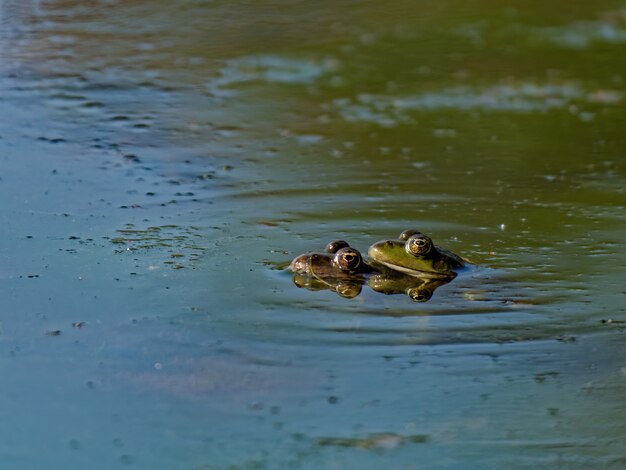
column 404, row 236
column 348, row 259
column 418, row 245
column 336, row 245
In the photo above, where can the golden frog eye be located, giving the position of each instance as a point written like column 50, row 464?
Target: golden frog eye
column 418, row 245
column 348, row 259
column 336, row 245
column 404, row 236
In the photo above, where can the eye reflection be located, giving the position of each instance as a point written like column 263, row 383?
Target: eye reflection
column 348, row 290
column 419, row 294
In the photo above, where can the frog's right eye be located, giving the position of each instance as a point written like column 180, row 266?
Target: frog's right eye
column 418, row 245
column 348, row 259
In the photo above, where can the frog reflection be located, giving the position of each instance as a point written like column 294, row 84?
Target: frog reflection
column 344, row 288
column 418, row 289
column 385, row 282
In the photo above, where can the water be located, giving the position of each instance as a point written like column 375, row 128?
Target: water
column 160, row 162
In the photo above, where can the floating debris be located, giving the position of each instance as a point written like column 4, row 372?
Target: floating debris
column 517, row 97
column 181, row 243
column 375, row 441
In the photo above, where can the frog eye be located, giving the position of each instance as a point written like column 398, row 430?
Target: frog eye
column 404, row 236
column 348, row 259
column 418, row 245
column 336, row 245
column 300, row 264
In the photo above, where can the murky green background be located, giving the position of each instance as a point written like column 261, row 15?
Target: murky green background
column 160, row 160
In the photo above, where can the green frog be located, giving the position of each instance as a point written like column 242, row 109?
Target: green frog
column 415, row 254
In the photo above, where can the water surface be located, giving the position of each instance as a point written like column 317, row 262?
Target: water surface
column 159, row 161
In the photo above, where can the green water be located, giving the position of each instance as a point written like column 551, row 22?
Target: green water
column 160, row 161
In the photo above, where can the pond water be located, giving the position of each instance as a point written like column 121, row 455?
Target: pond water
column 161, row 162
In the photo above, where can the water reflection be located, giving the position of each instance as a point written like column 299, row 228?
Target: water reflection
column 344, row 288
column 387, row 282
column 416, row 289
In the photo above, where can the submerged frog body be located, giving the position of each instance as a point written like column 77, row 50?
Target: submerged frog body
column 415, row 254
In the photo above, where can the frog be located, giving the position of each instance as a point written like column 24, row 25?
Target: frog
column 340, row 268
column 338, row 260
column 415, row 254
